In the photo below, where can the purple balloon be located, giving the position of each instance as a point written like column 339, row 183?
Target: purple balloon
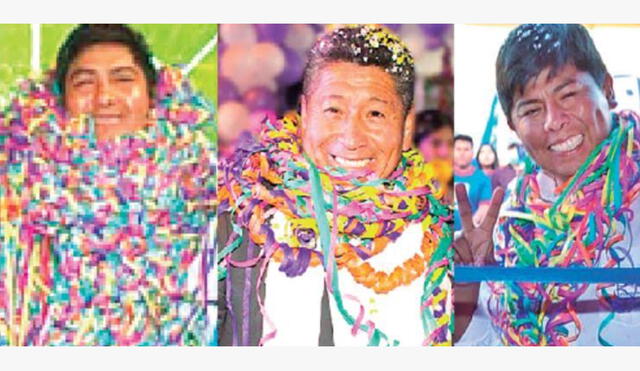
column 293, row 69
column 226, row 90
column 259, row 98
column 271, row 32
column 437, row 30
column 318, row 28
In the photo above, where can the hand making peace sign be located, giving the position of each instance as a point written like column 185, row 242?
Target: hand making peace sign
column 474, row 246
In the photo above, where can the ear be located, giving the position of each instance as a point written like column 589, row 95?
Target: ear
column 409, row 130
column 303, row 114
column 609, row 93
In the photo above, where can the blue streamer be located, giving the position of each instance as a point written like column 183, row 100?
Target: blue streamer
column 548, row 274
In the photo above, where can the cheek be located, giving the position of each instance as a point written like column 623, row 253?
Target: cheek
column 425, row 147
column 77, row 104
column 137, row 100
column 385, row 140
column 314, row 138
column 533, row 140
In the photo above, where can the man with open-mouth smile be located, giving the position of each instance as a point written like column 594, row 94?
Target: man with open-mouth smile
column 575, row 206
column 334, row 211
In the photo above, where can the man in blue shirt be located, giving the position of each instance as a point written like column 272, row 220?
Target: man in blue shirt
column 478, row 185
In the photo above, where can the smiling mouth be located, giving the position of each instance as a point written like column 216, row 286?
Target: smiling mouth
column 568, row 145
column 107, row 118
column 350, row 163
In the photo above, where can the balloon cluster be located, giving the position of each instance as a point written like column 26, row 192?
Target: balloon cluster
column 261, row 67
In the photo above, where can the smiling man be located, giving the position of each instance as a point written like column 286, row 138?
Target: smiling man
column 107, row 72
column 576, row 205
column 332, row 231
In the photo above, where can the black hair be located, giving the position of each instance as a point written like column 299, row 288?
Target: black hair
column 86, row 35
column 430, row 121
column 365, row 46
column 531, row 48
column 463, row 137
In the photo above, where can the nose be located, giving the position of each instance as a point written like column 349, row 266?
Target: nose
column 105, row 94
column 353, row 132
column 556, row 118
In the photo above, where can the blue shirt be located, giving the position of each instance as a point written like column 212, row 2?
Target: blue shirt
column 478, row 187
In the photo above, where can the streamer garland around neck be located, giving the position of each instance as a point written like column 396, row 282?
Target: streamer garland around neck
column 98, row 238
column 587, row 225
column 273, row 177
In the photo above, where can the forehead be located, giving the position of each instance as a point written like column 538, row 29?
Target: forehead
column 551, row 78
column 444, row 132
column 104, row 55
column 461, row 143
column 352, row 78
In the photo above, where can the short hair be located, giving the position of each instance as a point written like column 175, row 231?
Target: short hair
column 464, row 138
column 86, row 35
column 531, row 48
column 430, row 121
column 365, row 46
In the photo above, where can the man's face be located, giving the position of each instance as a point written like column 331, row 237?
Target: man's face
column 462, row 153
column 105, row 82
column 353, row 118
column 438, row 145
column 560, row 120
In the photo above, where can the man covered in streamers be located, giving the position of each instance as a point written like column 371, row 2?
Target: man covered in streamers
column 107, row 183
column 331, row 230
column 576, row 205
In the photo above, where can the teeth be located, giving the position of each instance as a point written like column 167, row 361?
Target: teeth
column 569, row 144
column 352, row 163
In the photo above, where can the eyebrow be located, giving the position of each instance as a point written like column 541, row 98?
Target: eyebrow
column 81, row 71
column 123, row 69
column 564, row 84
column 91, row 71
column 338, row 96
column 379, row 100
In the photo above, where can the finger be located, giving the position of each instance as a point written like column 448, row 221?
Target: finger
column 463, row 253
column 464, row 207
column 484, row 253
column 491, row 216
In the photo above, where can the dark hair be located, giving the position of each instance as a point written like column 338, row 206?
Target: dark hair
column 86, row 35
column 463, row 137
column 530, row 48
column 365, row 46
column 430, row 121
column 494, row 165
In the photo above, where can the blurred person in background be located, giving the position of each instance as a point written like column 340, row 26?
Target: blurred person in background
column 434, row 139
column 477, row 184
column 487, row 159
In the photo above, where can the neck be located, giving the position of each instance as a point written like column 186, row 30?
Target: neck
column 557, row 180
column 463, row 170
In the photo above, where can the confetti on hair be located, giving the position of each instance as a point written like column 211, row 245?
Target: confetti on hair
column 275, row 175
column 371, row 45
column 103, row 243
column 583, row 228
